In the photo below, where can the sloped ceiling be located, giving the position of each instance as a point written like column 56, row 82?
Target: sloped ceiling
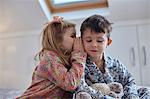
column 20, row 15
column 24, row 15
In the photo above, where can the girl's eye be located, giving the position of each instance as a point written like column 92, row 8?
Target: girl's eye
column 73, row 36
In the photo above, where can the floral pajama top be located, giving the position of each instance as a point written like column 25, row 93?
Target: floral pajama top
column 115, row 71
column 51, row 80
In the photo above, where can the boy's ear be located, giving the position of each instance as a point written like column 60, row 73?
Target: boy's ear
column 109, row 41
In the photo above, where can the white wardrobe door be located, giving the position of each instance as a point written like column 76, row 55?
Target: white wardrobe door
column 124, row 47
column 144, row 40
column 1, row 59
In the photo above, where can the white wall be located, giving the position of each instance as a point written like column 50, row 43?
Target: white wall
column 17, row 58
column 1, row 15
column 122, row 10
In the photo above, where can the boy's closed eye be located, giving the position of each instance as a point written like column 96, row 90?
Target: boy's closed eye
column 100, row 41
column 88, row 40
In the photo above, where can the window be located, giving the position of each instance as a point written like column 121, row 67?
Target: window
column 55, row 2
column 57, row 6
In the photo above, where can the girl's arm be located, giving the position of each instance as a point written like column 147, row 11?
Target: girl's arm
column 52, row 67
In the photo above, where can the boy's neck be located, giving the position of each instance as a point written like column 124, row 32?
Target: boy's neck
column 99, row 61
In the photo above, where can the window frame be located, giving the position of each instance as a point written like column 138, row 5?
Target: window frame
column 75, row 6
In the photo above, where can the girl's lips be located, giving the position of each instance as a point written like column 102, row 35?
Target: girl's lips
column 93, row 50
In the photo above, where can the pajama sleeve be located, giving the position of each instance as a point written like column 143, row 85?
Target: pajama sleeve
column 130, row 91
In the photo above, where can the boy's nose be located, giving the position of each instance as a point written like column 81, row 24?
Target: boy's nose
column 94, row 44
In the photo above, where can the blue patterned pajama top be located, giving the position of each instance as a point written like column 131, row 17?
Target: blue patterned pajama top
column 115, row 71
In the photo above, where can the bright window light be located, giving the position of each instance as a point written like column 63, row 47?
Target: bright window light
column 66, row 1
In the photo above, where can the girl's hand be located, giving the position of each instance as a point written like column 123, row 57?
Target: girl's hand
column 57, row 19
column 78, row 46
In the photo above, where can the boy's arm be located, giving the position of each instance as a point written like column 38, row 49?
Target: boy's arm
column 130, row 91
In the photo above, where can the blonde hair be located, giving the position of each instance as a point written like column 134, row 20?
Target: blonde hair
column 52, row 36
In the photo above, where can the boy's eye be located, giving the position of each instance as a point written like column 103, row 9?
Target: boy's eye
column 100, row 40
column 89, row 40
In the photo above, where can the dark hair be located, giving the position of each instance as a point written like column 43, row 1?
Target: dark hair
column 96, row 23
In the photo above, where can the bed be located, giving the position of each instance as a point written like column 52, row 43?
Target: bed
column 13, row 93
column 9, row 93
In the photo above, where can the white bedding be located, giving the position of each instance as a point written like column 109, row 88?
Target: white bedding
column 13, row 93
column 9, row 93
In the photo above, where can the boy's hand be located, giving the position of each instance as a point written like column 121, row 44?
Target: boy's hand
column 78, row 46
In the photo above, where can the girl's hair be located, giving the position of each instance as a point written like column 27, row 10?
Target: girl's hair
column 52, row 36
column 96, row 23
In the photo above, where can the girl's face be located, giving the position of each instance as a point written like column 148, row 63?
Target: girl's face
column 68, row 38
column 94, row 43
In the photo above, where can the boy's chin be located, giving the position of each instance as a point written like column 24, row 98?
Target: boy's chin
column 93, row 54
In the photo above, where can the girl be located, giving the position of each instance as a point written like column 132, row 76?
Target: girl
column 61, row 63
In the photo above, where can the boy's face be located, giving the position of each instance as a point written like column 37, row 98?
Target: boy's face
column 94, row 43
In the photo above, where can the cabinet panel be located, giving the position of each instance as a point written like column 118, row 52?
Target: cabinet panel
column 125, row 48
column 144, row 42
column 1, row 59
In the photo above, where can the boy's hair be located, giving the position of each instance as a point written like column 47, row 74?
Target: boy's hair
column 96, row 23
column 52, row 36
